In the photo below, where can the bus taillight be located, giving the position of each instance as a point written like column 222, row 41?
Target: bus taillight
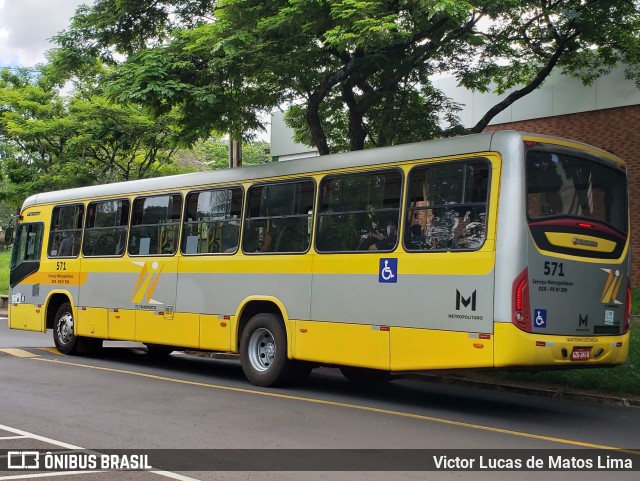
column 627, row 310
column 520, row 302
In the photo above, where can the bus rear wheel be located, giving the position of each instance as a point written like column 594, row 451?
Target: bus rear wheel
column 263, row 351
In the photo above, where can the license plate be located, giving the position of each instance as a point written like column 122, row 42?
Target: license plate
column 581, row 354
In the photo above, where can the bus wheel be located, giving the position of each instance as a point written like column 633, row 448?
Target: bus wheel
column 263, row 351
column 63, row 336
column 360, row 375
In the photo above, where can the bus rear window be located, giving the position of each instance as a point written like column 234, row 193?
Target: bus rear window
column 565, row 185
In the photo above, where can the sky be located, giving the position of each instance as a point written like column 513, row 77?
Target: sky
column 27, row 25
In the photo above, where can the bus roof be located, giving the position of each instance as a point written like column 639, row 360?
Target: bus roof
column 500, row 140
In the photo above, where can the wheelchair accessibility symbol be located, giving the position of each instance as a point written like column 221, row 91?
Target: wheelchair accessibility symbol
column 388, row 270
column 541, row 317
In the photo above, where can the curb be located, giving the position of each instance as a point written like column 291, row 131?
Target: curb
column 532, row 391
column 4, row 305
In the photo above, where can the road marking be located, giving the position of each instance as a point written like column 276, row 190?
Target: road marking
column 18, row 352
column 4, row 438
column 166, row 474
column 358, row 407
column 52, row 350
column 46, row 475
column 39, row 438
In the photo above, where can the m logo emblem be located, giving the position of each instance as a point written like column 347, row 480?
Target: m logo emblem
column 465, row 301
column 583, row 321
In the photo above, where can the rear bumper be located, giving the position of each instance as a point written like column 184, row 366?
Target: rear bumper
column 514, row 347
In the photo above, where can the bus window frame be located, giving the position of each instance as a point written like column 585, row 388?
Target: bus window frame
column 128, row 225
column 81, row 229
column 466, row 160
column 179, row 222
column 240, row 220
column 312, row 215
column 16, row 273
column 587, row 156
column 373, row 171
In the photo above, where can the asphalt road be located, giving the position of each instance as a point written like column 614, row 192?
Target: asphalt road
column 123, row 400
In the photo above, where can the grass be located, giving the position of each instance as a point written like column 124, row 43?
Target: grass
column 5, row 257
column 619, row 381
column 635, row 301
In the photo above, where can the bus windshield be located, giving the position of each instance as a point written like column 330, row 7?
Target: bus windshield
column 561, row 184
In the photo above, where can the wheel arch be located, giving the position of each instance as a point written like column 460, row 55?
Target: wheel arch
column 261, row 304
column 54, row 301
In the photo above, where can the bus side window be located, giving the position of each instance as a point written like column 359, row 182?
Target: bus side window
column 278, row 216
column 66, row 231
column 154, row 225
column 447, row 206
column 106, row 228
column 359, row 212
column 212, row 221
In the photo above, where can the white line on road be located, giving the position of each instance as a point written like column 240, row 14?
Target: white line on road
column 39, row 438
column 46, row 475
column 166, row 474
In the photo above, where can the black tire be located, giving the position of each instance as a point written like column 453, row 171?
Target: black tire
column 361, row 375
column 263, row 351
column 63, row 336
column 158, row 351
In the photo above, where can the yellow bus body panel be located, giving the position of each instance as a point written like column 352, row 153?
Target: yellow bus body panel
column 92, row 322
column 27, row 317
column 122, row 324
column 348, row 344
column 514, row 347
column 420, row 349
column 215, row 333
column 183, row 329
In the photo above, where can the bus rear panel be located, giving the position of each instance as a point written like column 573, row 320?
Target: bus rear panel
column 571, row 301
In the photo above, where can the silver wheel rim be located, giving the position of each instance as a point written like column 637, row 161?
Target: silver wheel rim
column 65, row 328
column 262, row 349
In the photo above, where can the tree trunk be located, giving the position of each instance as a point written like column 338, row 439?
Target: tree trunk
column 357, row 133
column 235, row 153
column 518, row 94
column 315, row 125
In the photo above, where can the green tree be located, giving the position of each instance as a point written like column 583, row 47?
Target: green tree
column 35, row 133
column 51, row 142
column 582, row 38
column 357, row 70
column 213, row 154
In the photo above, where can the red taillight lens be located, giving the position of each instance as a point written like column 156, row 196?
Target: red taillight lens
column 520, row 302
column 627, row 310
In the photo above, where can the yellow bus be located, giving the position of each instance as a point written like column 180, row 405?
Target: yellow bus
column 496, row 250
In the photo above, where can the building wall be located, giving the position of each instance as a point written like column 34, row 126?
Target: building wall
column 558, row 95
column 616, row 130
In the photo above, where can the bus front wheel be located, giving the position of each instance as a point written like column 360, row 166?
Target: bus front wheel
column 65, row 340
column 263, row 351
column 63, row 334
